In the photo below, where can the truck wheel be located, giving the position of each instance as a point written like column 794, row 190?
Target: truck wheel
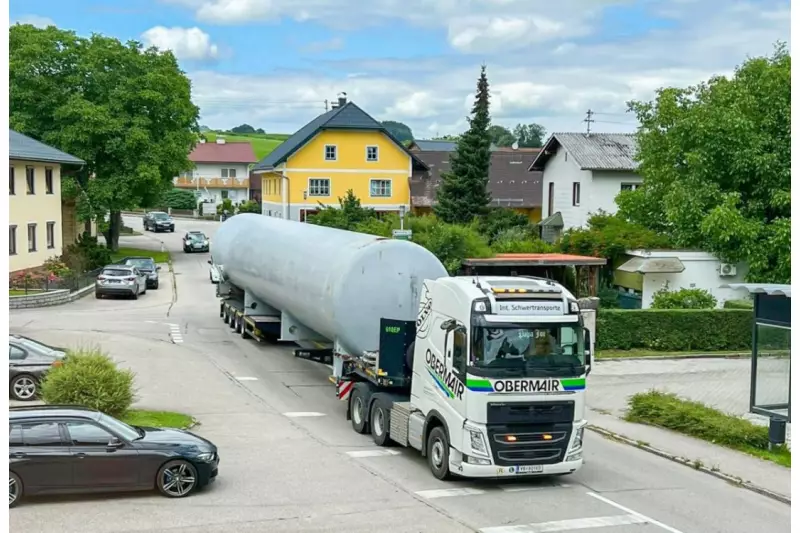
column 225, row 316
column 358, row 409
column 239, row 324
column 232, row 321
column 439, row 453
column 380, row 420
column 245, row 334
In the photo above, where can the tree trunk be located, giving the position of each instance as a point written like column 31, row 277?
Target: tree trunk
column 112, row 234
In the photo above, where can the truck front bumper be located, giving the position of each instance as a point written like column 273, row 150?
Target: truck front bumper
column 464, row 469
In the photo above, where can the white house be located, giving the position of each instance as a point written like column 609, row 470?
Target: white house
column 221, row 171
column 582, row 174
column 645, row 272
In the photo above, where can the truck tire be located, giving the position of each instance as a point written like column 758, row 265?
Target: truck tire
column 225, row 316
column 438, row 455
column 359, row 411
column 232, row 321
column 380, row 419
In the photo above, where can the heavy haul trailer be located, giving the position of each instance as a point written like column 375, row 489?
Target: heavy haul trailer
column 486, row 377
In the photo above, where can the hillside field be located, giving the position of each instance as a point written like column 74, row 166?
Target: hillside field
column 262, row 143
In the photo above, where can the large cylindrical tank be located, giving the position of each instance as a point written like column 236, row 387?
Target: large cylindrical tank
column 337, row 283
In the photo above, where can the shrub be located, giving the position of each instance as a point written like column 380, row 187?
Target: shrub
column 86, row 254
column 180, row 199
column 90, row 378
column 250, row 206
column 674, row 329
column 498, row 220
column 698, row 420
column 683, row 299
column 738, row 304
column 451, row 243
column 225, row 205
column 520, row 240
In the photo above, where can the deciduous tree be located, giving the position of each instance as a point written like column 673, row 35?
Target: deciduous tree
column 530, row 135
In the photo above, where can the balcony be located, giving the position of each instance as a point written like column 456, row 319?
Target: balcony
column 215, row 182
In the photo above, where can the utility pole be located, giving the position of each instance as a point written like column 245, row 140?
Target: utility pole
column 588, row 120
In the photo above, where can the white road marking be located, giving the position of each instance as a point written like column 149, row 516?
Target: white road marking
column 570, row 525
column 612, row 503
column 247, row 378
column 372, row 453
column 520, row 488
column 303, row 414
column 448, row 493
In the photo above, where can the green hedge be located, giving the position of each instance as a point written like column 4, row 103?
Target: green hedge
column 738, row 304
column 675, row 330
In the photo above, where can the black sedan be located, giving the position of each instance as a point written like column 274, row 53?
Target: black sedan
column 67, row 449
column 158, row 221
column 147, row 266
column 28, row 362
column 196, row 241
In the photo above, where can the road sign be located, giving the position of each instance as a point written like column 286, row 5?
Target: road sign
column 402, row 234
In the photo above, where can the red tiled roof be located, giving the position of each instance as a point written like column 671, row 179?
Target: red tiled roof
column 237, row 152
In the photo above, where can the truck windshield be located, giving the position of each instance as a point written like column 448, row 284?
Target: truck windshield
column 528, row 350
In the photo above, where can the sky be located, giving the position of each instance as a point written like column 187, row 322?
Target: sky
column 273, row 63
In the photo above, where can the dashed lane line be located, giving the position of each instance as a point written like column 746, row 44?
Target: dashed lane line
column 573, row 524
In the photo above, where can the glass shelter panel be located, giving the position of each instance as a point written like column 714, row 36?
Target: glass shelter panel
column 772, row 369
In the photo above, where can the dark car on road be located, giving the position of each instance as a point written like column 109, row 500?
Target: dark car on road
column 158, row 221
column 147, row 266
column 28, row 362
column 68, row 449
column 195, row 241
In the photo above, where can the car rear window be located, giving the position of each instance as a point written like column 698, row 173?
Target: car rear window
column 117, row 272
column 42, row 433
column 140, row 262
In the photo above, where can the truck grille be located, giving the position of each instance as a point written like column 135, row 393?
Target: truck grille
column 529, row 444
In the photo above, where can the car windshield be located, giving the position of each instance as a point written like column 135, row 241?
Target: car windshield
column 528, row 350
column 197, row 237
column 160, row 216
column 117, row 272
column 142, row 262
column 120, row 428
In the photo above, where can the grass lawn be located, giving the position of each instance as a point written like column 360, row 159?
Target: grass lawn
column 262, row 143
column 157, row 419
column 159, row 257
column 703, row 422
column 608, row 354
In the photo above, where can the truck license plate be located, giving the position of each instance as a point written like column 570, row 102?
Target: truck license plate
column 530, row 469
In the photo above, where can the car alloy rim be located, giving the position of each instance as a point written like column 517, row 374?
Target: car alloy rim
column 24, row 387
column 13, row 490
column 178, row 480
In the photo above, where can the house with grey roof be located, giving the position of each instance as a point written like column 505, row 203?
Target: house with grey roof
column 36, row 230
column 582, row 174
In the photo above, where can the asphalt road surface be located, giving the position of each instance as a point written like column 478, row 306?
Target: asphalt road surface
column 290, row 462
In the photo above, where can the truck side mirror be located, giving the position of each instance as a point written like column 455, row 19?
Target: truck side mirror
column 209, row 261
column 587, row 350
column 448, row 324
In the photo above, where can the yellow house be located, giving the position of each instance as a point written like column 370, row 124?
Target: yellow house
column 34, row 201
column 342, row 149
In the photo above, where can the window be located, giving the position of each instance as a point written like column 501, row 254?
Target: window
column 88, row 434
column 330, row 152
column 629, row 186
column 12, row 240
column 30, row 180
column 223, row 195
column 372, row 153
column 40, row 434
column 15, row 435
column 576, row 194
column 12, row 181
column 380, row 188
column 48, row 180
column 15, row 353
column 51, row 235
column 319, row 187
column 551, row 189
column 31, row 237
column 224, row 173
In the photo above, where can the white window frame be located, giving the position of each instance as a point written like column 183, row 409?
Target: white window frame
column 335, row 152
column 223, row 173
column 33, row 244
column 377, row 153
column 49, row 186
column 30, row 180
column 50, row 226
column 630, row 186
column 576, row 194
column 371, row 191
column 312, row 195
column 12, row 239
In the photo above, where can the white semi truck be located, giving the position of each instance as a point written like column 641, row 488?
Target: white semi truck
column 485, row 376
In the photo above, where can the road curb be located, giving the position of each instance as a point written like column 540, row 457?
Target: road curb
column 673, row 357
column 734, row 480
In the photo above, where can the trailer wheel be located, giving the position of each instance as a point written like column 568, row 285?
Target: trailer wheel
column 358, row 409
column 232, row 321
column 240, row 324
column 225, row 316
column 439, row 453
column 380, row 420
column 221, row 309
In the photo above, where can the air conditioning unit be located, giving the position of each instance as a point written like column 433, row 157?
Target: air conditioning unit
column 727, row 269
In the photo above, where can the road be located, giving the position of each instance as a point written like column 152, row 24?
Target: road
column 290, row 462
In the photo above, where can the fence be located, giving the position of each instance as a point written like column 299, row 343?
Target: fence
column 32, row 284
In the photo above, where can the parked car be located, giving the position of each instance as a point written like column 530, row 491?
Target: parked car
column 28, row 362
column 148, row 267
column 67, row 449
column 120, row 280
column 158, row 221
column 213, row 272
column 195, row 241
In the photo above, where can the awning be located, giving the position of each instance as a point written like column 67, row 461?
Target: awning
column 653, row 265
column 771, row 289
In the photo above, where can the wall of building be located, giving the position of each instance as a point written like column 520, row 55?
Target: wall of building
column 39, row 209
column 606, row 186
column 210, row 183
column 563, row 171
column 71, row 227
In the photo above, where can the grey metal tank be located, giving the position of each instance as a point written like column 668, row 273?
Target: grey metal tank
column 337, row 283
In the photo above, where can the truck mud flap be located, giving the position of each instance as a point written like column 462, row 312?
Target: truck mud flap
column 318, row 356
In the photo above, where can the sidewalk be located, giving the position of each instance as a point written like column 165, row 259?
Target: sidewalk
column 711, row 458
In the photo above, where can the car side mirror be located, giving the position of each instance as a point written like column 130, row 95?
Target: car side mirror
column 114, row 444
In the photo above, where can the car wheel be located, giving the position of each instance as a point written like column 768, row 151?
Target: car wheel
column 144, row 291
column 23, row 387
column 177, row 479
column 135, row 295
column 14, row 489
column 439, row 453
column 98, row 295
column 155, row 286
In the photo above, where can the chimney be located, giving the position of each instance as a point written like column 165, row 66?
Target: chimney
column 342, row 99
column 220, row 140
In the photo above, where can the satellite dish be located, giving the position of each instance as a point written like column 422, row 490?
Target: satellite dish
column 515, row 145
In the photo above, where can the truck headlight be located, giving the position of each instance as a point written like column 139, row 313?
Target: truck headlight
column 578, row 442
column 573, row 307
column 476, row 441
column 481, row 306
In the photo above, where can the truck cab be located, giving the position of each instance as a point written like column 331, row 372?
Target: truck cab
column 500, row 365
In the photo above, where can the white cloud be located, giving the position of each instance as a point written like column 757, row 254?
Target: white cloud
column 335, row 43
column 192, row 44
column 551, row 78
column 36, row 20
